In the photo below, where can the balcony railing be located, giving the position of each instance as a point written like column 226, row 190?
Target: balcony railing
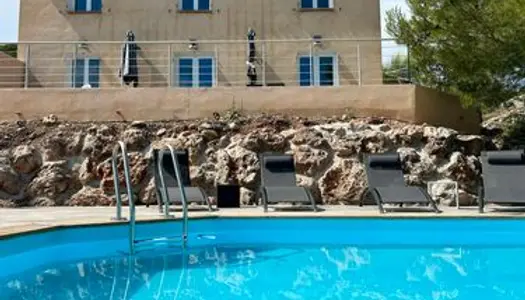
column 204, row 64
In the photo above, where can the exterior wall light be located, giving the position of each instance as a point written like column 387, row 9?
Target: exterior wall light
column 317, row 40
column 193, row 45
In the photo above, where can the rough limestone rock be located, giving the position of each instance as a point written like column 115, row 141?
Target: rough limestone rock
column 343, row 182
column 89, row 196
column 138, row 172
column 26, row 159
column 506, row 126
column 54, row 162
column 52, row 183
column 9, row 179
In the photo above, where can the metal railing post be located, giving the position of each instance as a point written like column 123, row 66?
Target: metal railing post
column 27, row 64
column 359, row 73
column 74, row 64
column 263, row 62
column 121, row 66
column 216, row 66
column 169, row 65
column 408, row 64
column 312, row 68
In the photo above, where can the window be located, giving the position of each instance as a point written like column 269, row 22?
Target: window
column 86, row 71
column 195, row 5
column 85, row 5
column 195, row 72
column 317, row 4
column 319, row 70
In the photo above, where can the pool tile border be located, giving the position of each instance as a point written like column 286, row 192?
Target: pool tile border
column 335, row 212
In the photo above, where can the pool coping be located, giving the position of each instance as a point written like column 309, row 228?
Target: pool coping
column 104, row 219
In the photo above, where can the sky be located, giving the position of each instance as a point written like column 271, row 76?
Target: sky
column 9, row 24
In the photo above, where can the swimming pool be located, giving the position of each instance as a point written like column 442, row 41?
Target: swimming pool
column 273, row 258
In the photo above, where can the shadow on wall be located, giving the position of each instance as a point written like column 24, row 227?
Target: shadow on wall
column 272, row 79
column 12, row 72
column 349, row 77
column 149, row 73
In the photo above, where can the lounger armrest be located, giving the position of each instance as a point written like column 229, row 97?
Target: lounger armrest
column 505, row 157
column 388, row 161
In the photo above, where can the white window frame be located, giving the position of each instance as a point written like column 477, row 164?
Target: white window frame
column 195, row 71
column 315, row 5
column 315, row 66
column 196, row 5
column 85, row 78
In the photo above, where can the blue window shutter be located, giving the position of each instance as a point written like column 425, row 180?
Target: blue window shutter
column 80, row 5
column 187, row 5
column 204, row 5
column 205, row 72
column 78, row 73
column 307, row 3
column 323, row 3
column 96, row 5
column 185, row 72
column 305, row 71
column 326, row 70
column 94, row 72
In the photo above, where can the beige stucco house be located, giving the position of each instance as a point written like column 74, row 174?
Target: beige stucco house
column 207, row 45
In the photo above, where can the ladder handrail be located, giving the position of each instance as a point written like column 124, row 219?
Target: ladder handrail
column 164, row 189
column 176, row 167
column 122, row 147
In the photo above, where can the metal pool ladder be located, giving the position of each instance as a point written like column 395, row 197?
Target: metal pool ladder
column 133, row 241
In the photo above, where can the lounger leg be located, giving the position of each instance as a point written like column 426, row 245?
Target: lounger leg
column 377, row 198
column 430, row 200
column 434, row 206
column 159, row 200
column 481, row 206
column 312, row 200
column 380, row 206
column 210, row 208
column 362, row 197
column 264, row 200
column 481, row 200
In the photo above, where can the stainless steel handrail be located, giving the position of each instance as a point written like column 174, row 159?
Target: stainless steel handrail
column 122, row 147
column 182, row 192
column 325, row 39
column 164, row 189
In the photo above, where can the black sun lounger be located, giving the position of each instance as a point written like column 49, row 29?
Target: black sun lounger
column 193, row 194
column 386, row 183
column 278, row 182
column 503, row 178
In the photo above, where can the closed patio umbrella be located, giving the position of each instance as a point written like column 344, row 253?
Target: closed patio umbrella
column 251, row 45
column 129, row 70
column 252, row 72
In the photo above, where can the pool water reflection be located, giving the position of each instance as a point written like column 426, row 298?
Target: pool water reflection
column 283, row 272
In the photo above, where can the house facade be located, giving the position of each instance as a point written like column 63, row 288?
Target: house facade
column 202, row 43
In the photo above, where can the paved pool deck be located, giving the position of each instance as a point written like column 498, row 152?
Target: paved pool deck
column 14, row 221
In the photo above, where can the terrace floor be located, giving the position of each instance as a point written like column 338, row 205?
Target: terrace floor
column 13, row 221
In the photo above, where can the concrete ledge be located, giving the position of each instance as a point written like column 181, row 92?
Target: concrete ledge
column 402, row 102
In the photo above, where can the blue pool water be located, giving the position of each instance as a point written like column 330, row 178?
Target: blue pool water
column 273, row 259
